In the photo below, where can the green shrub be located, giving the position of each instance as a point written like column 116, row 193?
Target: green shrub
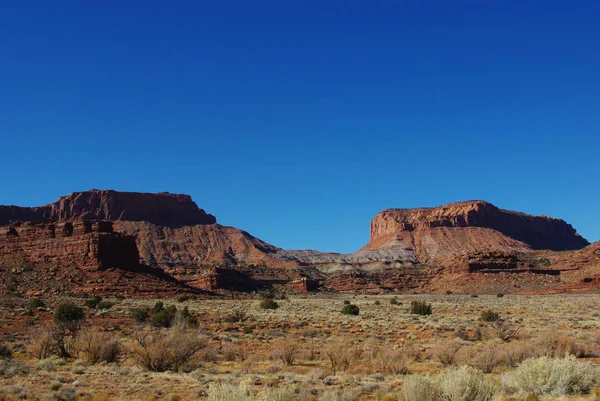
column 104, row 305
column 190, row 320
column 165, row 317
column 68, row 312
column 36, row 303
column 489, row 316
column 184, row 298
column 346, row 302
column 268, row 303
column 500, row 295
column 420, row 308
column 5, row 351
column 350, row 309
column 394, row 301
column 158, row 306
column 140, row 314
column 93, row 301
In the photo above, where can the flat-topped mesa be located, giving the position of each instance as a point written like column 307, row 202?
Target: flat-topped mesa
column 535, row 232
column 162, row 209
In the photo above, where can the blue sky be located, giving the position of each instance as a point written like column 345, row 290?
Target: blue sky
column 299, row 121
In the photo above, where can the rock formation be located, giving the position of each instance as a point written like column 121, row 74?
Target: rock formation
column 162, row 209
column 84, row 244
column 164, row 242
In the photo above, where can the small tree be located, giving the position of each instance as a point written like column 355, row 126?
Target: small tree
column 420, row 308
column 350, row 309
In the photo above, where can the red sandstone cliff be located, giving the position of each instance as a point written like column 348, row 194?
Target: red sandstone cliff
column 163, row 209
column 465, row 227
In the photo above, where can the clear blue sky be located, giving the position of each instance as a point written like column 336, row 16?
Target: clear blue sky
column 298, row 121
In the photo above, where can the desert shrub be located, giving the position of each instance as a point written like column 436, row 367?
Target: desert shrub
column 466, row 384
column 446, row 352
column 505, row 330
column 227, row 392
column 394, row 362
column 500, row 295
column 36, row 303
column 173, row 349
column 346, row 302
column 97, row 346
column 42, row 343
column 104, row 305
column 5, row 351
column 140, row 314
column 268, row 303
column 93, row 302
column 158, row 306
column 487, row 359
column 338, row 354
column 394, row 301
column 421, row 388
column 279, row 394
column 377, row 303
column 554, row 345
column 340, row 395
column 515, row 353
column 286, row 350
column 183, row 298
column 489, row 316
column 550, row 376
column 165, row 317
column 420, row 308
column 236, row 317
column 68, row 313
column 350, row 309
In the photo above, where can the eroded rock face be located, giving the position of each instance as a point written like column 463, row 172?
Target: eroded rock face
column 163, row 209
column 84, row 244
column 469, row 226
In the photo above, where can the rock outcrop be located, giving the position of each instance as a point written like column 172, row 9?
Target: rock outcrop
column 162, row 209
column 469, row 226
column 88, row 245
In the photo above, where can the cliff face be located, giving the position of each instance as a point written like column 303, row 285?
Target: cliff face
column 469, row 225
column 163, row 209
column 86, row 245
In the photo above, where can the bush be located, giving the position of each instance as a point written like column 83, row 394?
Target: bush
column 446, row 352
column 165, row 317
column 227, row 392
column 236, row 317
column 68, row 313
column 158, row 306
column 350, row 309
column 36, row 303
column 420, row 308
column 550, row 376
column 394, row 301
column 489, row 316
column 287, row 351
column 466, row 384
column 338, row 353
column 93, row 302
column 421, row 388
column 5, row 351
column 500, row 295
column 377, row 303
column 174, row 349
column 346, row 302
column 98, row 347
column 184, row 298
column 268, row 303
column 104, row 305
column 140, row 315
